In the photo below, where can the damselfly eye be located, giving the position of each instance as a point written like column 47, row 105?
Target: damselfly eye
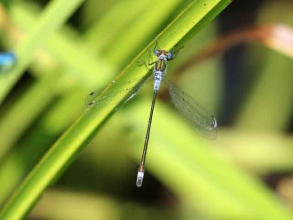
column 170, row 55
column 157, row 52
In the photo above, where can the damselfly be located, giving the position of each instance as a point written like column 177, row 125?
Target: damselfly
column 201, row 120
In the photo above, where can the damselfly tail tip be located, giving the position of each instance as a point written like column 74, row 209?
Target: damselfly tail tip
column 139, row 178
column 214, row 123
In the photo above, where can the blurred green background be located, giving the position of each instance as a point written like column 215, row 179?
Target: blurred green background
column 247, row 83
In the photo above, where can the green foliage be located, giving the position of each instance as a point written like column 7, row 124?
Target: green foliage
column 66, row 65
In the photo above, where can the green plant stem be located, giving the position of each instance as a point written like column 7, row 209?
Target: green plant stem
column 24, row 110
column 33, row 100
column 55, row 15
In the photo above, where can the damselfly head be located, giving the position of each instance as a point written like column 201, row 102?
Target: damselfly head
column 163, row 55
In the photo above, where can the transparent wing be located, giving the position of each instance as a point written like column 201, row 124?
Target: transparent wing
column 201, row 120
column 104, row 97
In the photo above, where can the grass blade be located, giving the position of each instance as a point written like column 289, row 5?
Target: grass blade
column 193, row 18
